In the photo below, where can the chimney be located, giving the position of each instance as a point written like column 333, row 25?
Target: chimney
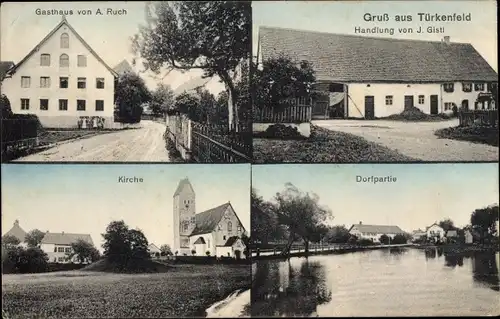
column 446, row 39
column 16, row 222
column 360, row 223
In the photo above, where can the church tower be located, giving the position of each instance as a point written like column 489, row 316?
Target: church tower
column 184, row 216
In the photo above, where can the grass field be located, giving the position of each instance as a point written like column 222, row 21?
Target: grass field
column 476, row 134
column 183, row 290
column 323, row 146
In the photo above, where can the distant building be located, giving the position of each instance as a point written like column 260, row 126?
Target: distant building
column 418, row 234
column 17, row 232
column 373, row 232
column 62, row 80
column 469, row 238
column 191, row 86
column 217, row 230
column 153, row 250
column 58, row 245
column 435, row 232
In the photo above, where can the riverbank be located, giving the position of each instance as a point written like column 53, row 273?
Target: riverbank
column 453, row 248
column 237, row 305
column 182, row 291
column 328, row 251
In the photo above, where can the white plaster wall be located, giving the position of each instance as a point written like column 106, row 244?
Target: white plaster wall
column 303, row 128
column 202, row 249
column 458, row 95
column 358, row 91
column 436, row 229
column 49, row 250
column 221, row 235
column 53, row 117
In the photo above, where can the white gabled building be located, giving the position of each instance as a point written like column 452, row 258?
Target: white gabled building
column 373, row 77
column 62, row 81
column 57, row 246
column 435, row 232
column 374, row 232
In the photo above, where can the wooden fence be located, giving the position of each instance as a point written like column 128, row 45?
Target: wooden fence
column 299, row 110
column 478, row 117
column 216, row 144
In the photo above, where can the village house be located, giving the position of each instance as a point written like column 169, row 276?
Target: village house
column 370, row 77
column 435, row 232
column 17, row 232
column 469, row 239
column 215, row 232
column 373, row 232
column 63, row 81
column 418, row 234
column 154, row 251
column 58, row 245
column 451, row 236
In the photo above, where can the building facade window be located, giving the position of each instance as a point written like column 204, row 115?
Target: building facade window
column 45, row 59
column 421, row 99
column 448, row 106
column 448, row 87
column 388, row 100
column 64, row 61
column 60, row 249
column 80, row 105
column 63, row 82
column 239, row 229
column 478, row 86
column 44, row 104
column 25, row 81
column 44, row 82
column 81, row 83
column 67, row 250
column 467, row 87
column 60, row 259
column 81, row 61
column 99, row 83
column 64, row 41
column 25, row 104
column 63, row 105
column 99, row 106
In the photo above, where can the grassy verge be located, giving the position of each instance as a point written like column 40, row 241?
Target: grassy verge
column 174, row 155
column 323, row 146
column 180, row 291
column 476, row 134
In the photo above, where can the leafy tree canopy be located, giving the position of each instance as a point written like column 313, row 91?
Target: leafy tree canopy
column 34, row 237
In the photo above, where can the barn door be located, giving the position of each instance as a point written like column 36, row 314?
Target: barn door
column 369, row 107
column 434, row 104
column 319, row 110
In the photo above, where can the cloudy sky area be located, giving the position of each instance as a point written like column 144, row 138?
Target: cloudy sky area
column 423, row 193
column 109, row 35
column 85, row 198
column 343, row 16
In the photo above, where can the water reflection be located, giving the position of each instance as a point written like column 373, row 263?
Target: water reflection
column 291, row 290
column 388, row 282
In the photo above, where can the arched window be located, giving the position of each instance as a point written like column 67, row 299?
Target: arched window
column 64, row 60
column 64, row 41
column 229, row 226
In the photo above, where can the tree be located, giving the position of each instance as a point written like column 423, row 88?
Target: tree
column 9, row 240
column 399, row 239
column 162, row 99
column 483, row 221
column 34, row 237
column 447, row 224
column 338, row 234
column 166, row 250
column 84, row 252
column 264, row 220
column 138, row 244
column 301, row 213
column 214, row 36
column 31, row 260
column 6, row 110
column 280, row 79
column 384, row 239
column 130, row 93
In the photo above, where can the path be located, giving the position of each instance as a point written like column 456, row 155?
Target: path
column 145, row 144
column 231, row 307
column 416, row 140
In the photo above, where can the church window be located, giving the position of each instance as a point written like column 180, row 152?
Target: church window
column 229, row 226
column 64, row 61
column 193, row 220
column 224, row 237
column 64, row 41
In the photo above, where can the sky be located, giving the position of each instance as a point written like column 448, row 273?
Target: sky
column 85, row 198
column 343, row 16
column 108, row 35
column 422, row 194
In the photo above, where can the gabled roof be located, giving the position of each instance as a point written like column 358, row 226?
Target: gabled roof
column 123, row 67
column 231, row 240
column 353, row 58
column 63, row 22
column 17, row 232
column 207, row 221
column 4, row 67
column 435, row 224
column 191, row 85
column 378, row 229
column 65, row 238
column 153, row 248
column 182, row 184
column 199, row 241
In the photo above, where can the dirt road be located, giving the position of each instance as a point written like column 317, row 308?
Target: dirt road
column 416, row 140
column 133, row 145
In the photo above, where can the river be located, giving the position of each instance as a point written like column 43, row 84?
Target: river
column 384, row 282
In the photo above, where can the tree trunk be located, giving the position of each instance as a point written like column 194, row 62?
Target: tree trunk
column 286, row 250
column 306, row 244
column 232, row 101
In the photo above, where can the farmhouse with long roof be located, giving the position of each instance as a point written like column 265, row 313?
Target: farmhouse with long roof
column 369, row 77
column 374, row 232
column 62, row 80
column 217, row 231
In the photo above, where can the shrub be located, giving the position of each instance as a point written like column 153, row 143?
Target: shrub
column 193, row 252
column 399, row 239
column 20, row 260
column 281, row 131
column 384, row 239
column 365, row 242
column 207, row 253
